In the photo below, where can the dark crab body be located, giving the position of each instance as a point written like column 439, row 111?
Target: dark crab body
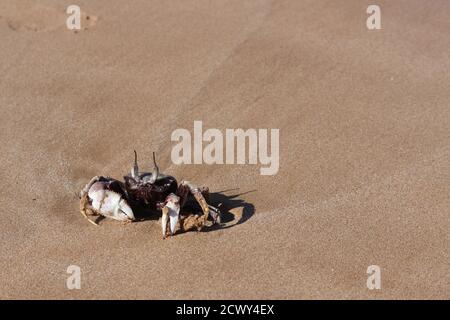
column 150, row 194
column 149, row 189
column 156, row 191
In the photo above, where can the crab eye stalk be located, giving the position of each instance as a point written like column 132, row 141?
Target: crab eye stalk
column 155, row 172
column 135, row 169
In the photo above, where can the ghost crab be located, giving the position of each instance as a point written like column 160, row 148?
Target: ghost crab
column 157, row 191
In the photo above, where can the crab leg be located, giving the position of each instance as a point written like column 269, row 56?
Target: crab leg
column 84, row 202
column 85, row 210
column 201, row 195
column 215, row 212
column 198, row 196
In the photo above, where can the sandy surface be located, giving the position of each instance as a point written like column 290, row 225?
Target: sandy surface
column 364, row 119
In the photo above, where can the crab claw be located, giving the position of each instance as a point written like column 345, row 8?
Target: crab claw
column 171, row 214
column 124, row 210
column 109, row 203
column 164, row 219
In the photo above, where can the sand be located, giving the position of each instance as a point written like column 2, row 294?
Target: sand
column 364, row 120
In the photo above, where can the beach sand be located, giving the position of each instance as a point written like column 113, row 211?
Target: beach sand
column 364, row 121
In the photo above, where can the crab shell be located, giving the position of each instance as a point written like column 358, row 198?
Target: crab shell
column 109, row 203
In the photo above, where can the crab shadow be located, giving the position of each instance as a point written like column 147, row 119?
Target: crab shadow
column 226, row 202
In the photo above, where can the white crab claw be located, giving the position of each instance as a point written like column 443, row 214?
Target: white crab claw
column 173, row 216
column 125, row 209
column 171, row 212
column 165, row 217
column 109, row 203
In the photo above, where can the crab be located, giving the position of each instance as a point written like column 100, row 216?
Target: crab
column 157, row 191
